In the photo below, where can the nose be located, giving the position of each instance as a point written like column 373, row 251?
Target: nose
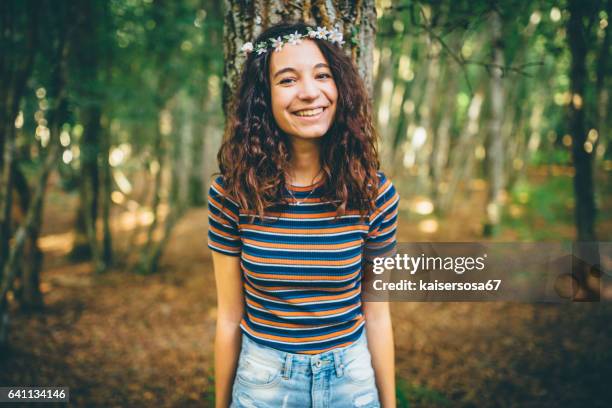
column 308, row 89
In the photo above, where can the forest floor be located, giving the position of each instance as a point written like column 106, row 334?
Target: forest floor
column 122, row 339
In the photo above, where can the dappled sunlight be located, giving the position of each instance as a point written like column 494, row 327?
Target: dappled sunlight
column 429, row 226
column 57, row 243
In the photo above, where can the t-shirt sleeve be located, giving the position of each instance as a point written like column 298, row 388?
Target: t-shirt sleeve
column 223, row 219
column 381, row 239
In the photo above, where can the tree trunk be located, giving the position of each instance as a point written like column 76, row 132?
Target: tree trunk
column 578, row 38
column 244, row 21
column 18, row 31
column 89, row 91
column 441, row 148
column 89, row 188
column 106, row 183
column 495, row 148
column 463, row 153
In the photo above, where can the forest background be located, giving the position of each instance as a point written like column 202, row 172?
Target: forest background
column 493, row 122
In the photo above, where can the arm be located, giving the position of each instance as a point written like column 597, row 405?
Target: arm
column 380, row 344
column 230, row 309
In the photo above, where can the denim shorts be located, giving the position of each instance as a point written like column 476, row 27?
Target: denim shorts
column 269, row 378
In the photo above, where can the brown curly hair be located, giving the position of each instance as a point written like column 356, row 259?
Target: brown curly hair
column 255, row 155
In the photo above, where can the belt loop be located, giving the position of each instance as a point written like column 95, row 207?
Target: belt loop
column 338, row 363
column 287, row 366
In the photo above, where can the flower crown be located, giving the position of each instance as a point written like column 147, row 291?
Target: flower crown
column 334, row 36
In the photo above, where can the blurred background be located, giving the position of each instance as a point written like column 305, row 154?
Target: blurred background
column 493, row 122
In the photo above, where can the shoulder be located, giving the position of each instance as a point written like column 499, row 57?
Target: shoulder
column 387, row 199
column 218, row 189
column 385, row 185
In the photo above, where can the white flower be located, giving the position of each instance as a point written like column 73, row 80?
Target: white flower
column 335, row 36
column 321, row 33
column 261, row 48
column 311, row 33
column 294, row 39
column 247, row 47
column 277, row 43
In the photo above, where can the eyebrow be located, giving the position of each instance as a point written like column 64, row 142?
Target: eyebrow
column 290, row 69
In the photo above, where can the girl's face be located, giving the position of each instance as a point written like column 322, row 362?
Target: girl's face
column 303, row 90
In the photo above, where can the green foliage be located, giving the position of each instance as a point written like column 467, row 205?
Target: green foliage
column 412, row 395
column 544, row 208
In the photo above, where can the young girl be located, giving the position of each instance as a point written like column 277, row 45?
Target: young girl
column 297, row 212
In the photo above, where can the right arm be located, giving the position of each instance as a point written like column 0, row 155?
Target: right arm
column 230, row 310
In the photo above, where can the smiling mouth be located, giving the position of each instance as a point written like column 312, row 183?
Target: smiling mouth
column 308, row 113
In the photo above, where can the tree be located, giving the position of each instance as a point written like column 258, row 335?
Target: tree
column 579, row 35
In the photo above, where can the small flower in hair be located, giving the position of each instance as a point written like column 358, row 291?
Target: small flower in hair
column 335, row 36
column 321, row 33
column 277, row 43
column 247, row 47
column 261, row 48
column 311, row 33
column 294, row 39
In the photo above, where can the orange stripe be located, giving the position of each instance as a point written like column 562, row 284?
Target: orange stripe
column 303, row 339
column 277, row 324
column 276, row 261
column 387, row 204
column 311, row 230
column 269, row 288
column 219, row 219
column 299, row 301
column 226, row 247
column 304, row 247
column 223, row 233
column 300, row 313
column 220, row 207
column 301, row 277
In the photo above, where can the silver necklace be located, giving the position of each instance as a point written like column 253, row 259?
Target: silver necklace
column 301, row 201
column 298, row 202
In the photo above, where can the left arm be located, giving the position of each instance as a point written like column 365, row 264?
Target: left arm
column 380, row 343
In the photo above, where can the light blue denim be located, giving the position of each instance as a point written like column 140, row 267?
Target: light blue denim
column 269, row 378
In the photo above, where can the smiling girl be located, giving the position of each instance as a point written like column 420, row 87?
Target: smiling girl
column 296, row 215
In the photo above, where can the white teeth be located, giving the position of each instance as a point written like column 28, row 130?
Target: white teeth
column 309, row 112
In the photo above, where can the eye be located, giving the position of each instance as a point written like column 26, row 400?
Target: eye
column 323, row 75
column 286, row 81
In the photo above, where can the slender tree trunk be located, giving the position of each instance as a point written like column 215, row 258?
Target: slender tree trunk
column 577, row 37
column 442, row 140
column 463, row 153
column 159, row 154
column 106, row 190
column 89, row 84
column 424, row 152
column 28, row 269
column 495, row 148
column 90, row 186
column 603, row 91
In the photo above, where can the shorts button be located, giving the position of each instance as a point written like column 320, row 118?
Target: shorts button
column 318, row 364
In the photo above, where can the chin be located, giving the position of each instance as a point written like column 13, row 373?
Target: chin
column 311, row 133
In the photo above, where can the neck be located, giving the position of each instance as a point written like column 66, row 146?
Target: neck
column 305, row 162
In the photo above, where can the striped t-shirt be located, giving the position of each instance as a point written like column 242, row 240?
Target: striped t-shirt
column 302, row 266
